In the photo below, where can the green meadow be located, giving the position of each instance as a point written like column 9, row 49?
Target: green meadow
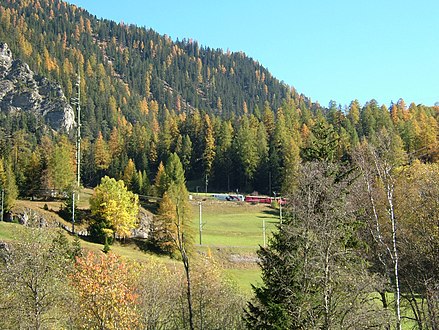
column 233, row 224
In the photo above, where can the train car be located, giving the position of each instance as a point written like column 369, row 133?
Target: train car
column 258, row 199
column 228, row 197
column 281, row 201
column 265, row 199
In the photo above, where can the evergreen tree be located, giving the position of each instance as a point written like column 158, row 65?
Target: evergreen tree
column 324, row 143
column 291, row 167
column 245, row 146
column 184, row 151
column 312, row 276
column 33, row 175
column 223, row 160
column 8, row 187
column 209, row 147
column 61, row 166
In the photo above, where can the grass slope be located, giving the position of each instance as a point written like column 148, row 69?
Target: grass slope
column 232, row 232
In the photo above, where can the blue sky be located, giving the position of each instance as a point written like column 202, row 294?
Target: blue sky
column 337, row 50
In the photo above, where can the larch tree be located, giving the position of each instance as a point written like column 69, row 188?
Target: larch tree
column 174, row 221
column 291, row 166
column 128, row 174
column 102, row 156
column 209, row 147
column 61, row 167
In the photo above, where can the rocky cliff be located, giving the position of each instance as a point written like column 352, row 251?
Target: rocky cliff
column 22, row 90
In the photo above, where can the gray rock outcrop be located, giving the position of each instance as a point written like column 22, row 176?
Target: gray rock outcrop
column 22, row 90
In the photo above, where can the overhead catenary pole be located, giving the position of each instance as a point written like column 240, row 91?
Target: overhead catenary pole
column 73, row 212
column 280, row 210
column 200, row 222
column 263, row 231
column 78, row 133
column 3, row 199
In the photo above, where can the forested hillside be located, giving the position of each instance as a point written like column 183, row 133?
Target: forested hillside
column 144, row 96
column 357, row 244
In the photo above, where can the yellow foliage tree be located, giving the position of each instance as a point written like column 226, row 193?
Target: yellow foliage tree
column 116, row 206
column 106, row 292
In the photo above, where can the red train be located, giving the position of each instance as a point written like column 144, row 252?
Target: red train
column 264, row 199
column 249, row 198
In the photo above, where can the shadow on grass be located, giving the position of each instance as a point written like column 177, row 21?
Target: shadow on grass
column 143, row 245
column 273, row 212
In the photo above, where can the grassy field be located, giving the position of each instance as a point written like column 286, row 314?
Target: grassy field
column 232, row 232
column 233, row 224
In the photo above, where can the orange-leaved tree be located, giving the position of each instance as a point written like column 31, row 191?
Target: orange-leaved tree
column 106, row 293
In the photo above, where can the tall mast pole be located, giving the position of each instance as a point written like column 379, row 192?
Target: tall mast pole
column 78, row 133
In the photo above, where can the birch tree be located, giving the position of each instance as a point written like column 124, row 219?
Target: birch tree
column 377, row 164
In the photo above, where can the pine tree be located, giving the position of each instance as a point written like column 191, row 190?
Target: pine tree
column 312, row 276
column 8, row 187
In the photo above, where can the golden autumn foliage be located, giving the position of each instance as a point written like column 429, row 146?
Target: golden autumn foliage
column 117, row 206
column 105, row 292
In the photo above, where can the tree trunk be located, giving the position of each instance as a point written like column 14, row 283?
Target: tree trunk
column 327, row 292
column 188, row 291
column 391, row 210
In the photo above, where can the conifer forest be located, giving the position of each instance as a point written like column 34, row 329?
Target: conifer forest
column 358, row 245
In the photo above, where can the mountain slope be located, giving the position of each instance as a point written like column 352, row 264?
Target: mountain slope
column 127, row 69
column 23, row 91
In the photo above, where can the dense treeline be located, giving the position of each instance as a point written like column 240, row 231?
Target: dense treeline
column 357, row 248
column 257, row 151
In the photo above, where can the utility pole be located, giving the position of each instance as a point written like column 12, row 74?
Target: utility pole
column 77, row 102
column 3, row 198
column 280, row 210
column 73, row 212
column 263, row 231
column 200, row 222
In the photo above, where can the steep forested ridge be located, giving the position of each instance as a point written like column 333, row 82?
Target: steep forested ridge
column 133, row 64
column 144, row 96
